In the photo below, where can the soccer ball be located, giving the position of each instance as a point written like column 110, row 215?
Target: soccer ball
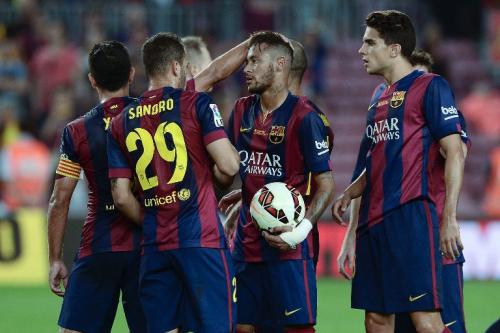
column 277, row 204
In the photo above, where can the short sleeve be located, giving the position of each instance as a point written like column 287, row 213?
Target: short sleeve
column 69, row 163
column 463, row 133
column 313, row 138
column 117, row 162
column 440, row 110
column 212, row 124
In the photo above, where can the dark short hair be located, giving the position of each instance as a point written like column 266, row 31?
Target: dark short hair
column 422, row 58
column 299, row 63
column 274, row 40
column 109, row 64
column 160, row 50
column 394, row 27
column 194, row 44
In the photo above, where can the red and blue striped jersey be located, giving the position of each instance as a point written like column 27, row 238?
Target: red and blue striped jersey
column 161, row 142
column 403, row 122
column 83, row 146
column 289, row 146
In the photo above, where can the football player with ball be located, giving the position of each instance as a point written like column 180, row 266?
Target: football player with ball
column 280, row 138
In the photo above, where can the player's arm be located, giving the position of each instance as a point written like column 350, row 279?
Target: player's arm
column 353, row 191
column 221, row 67
column 450, row 241
column 443, row 121
column 57, row 216
column 124, row 199
column 226, row 161
column 347, row 255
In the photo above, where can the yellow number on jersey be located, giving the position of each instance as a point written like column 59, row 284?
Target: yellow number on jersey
column 234, row 291
column 178, row 154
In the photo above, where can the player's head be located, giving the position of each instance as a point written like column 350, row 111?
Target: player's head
column 110, row 66
column 298, row 68
column 197, row 54
column 164, row 58
column 268, row 61
column 389, row 39
column 422, row 60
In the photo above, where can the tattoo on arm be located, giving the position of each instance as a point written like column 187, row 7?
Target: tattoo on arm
column 321, row 198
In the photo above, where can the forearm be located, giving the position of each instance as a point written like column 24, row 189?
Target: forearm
column 57, row 216
column 131, row 208
column 222, row 180
column 453, row 175
column 357, row 187
column 322, row 196
column 354, row 216
column 221, row 67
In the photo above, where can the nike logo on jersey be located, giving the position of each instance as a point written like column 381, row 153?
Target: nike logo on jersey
column 289, row 313
column 413, row 299
column 248, row 129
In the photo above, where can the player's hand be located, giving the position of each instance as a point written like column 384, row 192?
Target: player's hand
column 229, row 200
column 339, row 207
column 347, row 259
column 450, row 242
column 232, row 220
column 58, row 274
column 273, row 238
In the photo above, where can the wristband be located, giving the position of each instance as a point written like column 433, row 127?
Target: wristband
column 298, row 234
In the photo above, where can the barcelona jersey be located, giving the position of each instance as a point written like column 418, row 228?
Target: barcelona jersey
column 83, row 146
column 404, row 123
column 161, row 142
column 290, row 145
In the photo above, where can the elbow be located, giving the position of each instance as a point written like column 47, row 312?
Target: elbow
column 231, row 166
column 120, row 199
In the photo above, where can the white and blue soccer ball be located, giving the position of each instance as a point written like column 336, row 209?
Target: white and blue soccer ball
column 277, row 204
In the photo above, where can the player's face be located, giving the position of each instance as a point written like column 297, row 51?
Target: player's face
column 374, row 52
column 259, row 69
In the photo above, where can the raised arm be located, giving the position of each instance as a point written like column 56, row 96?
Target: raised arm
column 221, row 67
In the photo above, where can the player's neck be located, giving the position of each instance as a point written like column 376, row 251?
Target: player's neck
column 272, row 98
column 157, row 83
column 397, row 72
column 105, row 95
column 295, row 89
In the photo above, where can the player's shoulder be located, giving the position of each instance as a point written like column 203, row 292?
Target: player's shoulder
column 428, row 78
column 305, row 107
column 243, row 104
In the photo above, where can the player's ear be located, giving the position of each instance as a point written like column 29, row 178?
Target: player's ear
column 176, row 68
column 281, row 63
column 93, row 83
column 395, row 50
column 131, row 75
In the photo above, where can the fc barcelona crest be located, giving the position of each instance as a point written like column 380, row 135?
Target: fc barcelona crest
column 276, row 134
column 397, row 99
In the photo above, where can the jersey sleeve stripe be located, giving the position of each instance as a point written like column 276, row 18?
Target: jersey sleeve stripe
column 120, row 173
column 214, row 136
column 75, row 168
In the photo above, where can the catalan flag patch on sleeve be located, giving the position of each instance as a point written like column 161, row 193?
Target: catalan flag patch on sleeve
column 68, row 168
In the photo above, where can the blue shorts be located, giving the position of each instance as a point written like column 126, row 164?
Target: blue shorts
column 398, row 262
column 189, row 288
column 452, row 314
column 276, row 293
column 93, row 293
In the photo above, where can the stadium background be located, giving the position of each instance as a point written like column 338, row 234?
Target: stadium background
column 43, row 85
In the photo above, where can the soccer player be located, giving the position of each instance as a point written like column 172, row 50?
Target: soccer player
column 108, row 258
column 280, row 137
column 452, row 314
column 167, row 141
column 231, row 203
column 398, row 266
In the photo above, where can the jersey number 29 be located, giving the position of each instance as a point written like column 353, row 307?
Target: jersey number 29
column 149, row 143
